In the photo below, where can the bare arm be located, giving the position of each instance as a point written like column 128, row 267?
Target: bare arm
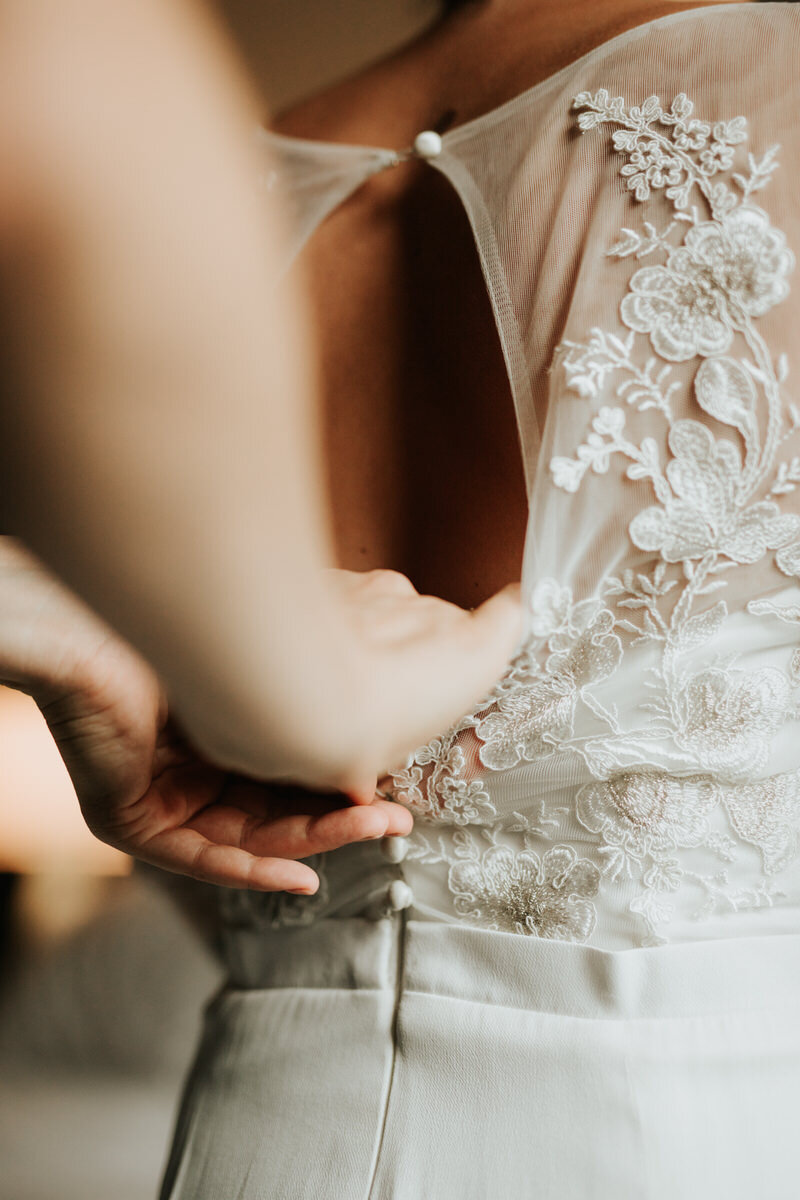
column 159, row 446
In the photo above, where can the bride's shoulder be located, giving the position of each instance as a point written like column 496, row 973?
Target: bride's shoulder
column 375, row 106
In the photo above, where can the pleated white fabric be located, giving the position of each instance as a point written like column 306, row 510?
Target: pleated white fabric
column 401, row 1060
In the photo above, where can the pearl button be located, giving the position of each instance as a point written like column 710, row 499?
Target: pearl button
column 399, row 895
column 427, row 144
column 394, row 849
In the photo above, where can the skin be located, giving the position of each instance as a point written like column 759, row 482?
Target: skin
column 140, row 785
column 163, row 390
column 423, row 456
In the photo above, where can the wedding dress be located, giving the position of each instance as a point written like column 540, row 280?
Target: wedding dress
column 579, row 976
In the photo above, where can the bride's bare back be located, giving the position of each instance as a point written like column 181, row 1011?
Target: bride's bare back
column 421, row 438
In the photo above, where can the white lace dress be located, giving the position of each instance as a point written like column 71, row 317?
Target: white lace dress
column 580, row 975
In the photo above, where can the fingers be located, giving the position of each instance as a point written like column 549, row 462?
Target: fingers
column 401, row 821
column 188, row 852
column 248, row 835
column 247, row 847
column 299, row 835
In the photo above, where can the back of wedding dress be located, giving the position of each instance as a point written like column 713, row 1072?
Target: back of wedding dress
column 635, row 776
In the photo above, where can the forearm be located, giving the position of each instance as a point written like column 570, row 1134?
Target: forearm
column 160, row 449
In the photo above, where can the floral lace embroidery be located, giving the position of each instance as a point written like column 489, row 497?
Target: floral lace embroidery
column 523, row 894
column 716, row 507
column 516, row 891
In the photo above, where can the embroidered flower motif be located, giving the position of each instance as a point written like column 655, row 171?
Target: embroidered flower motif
column 688, row 132
column 433, row 784
column 647, row 812
column 715, row 509
column 567, row 473
column 729, row 718
column 679, row 310
column 520, row 893
column 533, row 716
column 788, row 560
column 704, row 513
column 550, row 607
column 768, row 815
column 665, row 875
column 717, row 158
column 725, row 271
column 528, row 723
column 747, row 260
column 649, row 166
column 463, row 802
column 586, row 649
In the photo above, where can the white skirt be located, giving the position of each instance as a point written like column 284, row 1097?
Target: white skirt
column 406, row 1060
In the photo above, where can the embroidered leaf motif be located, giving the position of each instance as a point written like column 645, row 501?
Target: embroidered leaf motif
column 700, row 628
column 725, row 391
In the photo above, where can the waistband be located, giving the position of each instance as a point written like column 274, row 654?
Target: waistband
column 467, row 964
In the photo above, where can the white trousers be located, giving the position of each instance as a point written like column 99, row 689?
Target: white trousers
column 405, row 1060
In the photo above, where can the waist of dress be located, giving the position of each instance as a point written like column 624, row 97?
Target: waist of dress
column 540, row 889
column 471, row 965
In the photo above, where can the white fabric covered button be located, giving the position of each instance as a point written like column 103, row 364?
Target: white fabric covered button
column 394, row 849
column 427, row 144
column 399, row 895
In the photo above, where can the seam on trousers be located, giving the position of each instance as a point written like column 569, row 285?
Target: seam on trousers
column 398, row 992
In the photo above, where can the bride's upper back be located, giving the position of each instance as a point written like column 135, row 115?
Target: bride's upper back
column 634, row 216
column 421, row 433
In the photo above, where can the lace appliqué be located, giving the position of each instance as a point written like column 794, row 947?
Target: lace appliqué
column 515, row 890
column 717, row 506
column 714, row 508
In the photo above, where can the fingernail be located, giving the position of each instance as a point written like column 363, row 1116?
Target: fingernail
column 303, row 891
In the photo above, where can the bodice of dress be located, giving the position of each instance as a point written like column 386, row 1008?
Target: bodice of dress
column 634, row 777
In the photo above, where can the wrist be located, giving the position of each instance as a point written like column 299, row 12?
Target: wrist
column 51, row 643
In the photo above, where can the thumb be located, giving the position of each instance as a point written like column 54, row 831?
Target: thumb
column 504, row 606
column 496, row 627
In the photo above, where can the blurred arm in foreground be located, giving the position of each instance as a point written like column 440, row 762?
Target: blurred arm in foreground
column 158, row 444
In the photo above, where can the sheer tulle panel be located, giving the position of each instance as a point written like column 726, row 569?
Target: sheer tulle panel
column 634, row 776
column 639, row 209
column 314, row 178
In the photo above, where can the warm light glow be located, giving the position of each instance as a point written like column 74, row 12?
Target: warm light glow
column 41, row 828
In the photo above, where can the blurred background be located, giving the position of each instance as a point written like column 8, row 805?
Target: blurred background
column 102, row 976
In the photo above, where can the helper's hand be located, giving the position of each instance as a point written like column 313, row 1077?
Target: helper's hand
column 141, row 787
column 427, row 661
